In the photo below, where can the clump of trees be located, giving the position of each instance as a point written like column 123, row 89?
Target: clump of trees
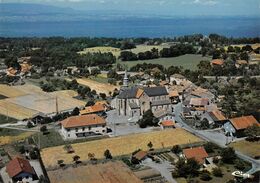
column 148, row 119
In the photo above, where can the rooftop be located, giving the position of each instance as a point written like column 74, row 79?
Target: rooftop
column 198, row 153
column 199, row 101
column 168, row 123
column 217, row 62
column 93, row 109
column 140, row 155
column 244, row 122
column 84, row 120
column 17, row 166
column 217, row 115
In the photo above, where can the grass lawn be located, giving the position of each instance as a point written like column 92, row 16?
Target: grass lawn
column 8, row 136
column 118, row 146
column 189, row 61
column 4, row 119
column 246, row 147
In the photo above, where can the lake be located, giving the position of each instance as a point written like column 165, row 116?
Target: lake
column 134, row 27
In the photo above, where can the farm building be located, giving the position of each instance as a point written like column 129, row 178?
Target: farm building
column 217, row 117
column 28, row 101
column 20, row 169
column 112, row 172
column 83, row 126
column 236, row 126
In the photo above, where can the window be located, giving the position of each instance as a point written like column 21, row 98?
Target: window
column 83, row 129
column 76, row 129
column 68, row 130
column 68, row 135
column 89, row 128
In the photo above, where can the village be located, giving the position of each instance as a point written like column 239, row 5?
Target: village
column 129, row 125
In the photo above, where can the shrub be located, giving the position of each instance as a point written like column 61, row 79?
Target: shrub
column 205, row 176
column 239, row 164
column 176, row 149
column 217, row 172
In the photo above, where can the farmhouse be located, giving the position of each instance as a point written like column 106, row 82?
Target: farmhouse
column 198, row 153
column 83, row 126
column 111, row 172
column 236, row 126
column 135, row 101
column 20, row 169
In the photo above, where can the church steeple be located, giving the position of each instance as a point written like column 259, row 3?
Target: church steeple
column 125, row 81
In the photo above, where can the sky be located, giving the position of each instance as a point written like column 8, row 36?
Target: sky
column 161, row 7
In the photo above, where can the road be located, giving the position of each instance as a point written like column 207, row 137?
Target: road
column 215, row 137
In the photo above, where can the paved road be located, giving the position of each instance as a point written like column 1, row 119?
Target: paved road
column 216, row 137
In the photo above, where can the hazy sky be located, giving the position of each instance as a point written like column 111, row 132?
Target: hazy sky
column 166, row 7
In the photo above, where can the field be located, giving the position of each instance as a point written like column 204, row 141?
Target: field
column 248, row 148
column 8, row 136
column 28, row 100
column 119, row 145
column 144, row 48
column 103, row 49
column 4, row 119
column 189, row 61
column 100, row 87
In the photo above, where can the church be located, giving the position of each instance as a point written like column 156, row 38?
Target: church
column 134, row 101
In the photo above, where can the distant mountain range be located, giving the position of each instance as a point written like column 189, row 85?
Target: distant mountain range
column 29, row 12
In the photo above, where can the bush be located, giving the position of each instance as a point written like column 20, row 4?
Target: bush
column 22, row 149
column 176, row 149
column 239, row 164
column 29, row 125
column 228, row 155
column 209, row 147
column 33, row 154
column 205, row 176
column 217, row 172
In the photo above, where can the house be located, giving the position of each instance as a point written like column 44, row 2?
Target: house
column 202, row 93
column 11, row 71
column 25, row 67
column 139, row 156
column 20, row 169
column 174, row 97
column 177, row 79
column 240, row 63
column 198, row 153
column 95, row 109
column 162, row 115
column 236, row 126
column 186, row 113
column 135, row 101
column 83, row 126
column 199, row 104
column 217, row 117
column 167, row 124
column 216, row 62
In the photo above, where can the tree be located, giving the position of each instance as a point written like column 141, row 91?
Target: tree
column 150, row 145
column 239, row 164
column 103, row 96
column 75, row 111
column 176, row 149
column 188, row 168
column 30, row 124
column 107, row 154
column 252, row 132
column 148, row 120
column 61, row 163
column 76, row 159
column 209, row 147
column 205, row 176
column 90, row 103
column 44, row 129
column 217, row 172
column 43, row 179
column 204, row 124
column 228, row 155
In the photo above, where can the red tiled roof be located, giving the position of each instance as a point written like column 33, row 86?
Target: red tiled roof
column 217, row 62
column 217, row 115
column 244, row 122
column 93, row 109
column 17, row 166
column 168, row 123
column 140, row 155
column 84, row 120
column 198, row 153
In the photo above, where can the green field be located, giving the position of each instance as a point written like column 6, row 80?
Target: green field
column 189, row 61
